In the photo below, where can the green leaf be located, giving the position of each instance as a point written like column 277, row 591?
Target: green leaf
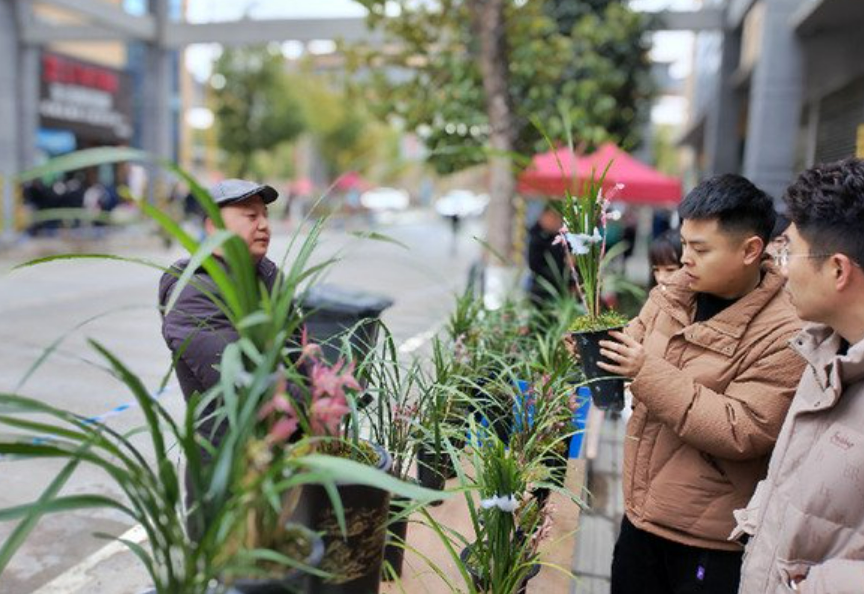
column 351, row 472
column 83, row 159
column 375, row 236
column 25, row 527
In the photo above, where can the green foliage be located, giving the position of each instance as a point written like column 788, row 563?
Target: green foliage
column 256, row 110
column 585, row 59
column 239, row 511
column 345, row 134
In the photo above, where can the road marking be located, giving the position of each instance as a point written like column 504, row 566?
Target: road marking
column 417, row 341
column 78, row 576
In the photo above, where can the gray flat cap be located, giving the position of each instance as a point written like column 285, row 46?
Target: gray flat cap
column 229, row 191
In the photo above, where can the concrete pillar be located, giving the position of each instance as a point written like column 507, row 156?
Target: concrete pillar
column 721, row 125
column 8, row 111
column 775, row 101
column 156, row 113
column 28, row 104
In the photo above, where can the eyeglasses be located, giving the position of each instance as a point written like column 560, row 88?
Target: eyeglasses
column 781, row 259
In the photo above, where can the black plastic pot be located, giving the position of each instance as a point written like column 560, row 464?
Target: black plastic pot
column 607, row 392
column 397, row 531
column 296, row 580
column 431, row 469
column 478, row 580
column 353, row 559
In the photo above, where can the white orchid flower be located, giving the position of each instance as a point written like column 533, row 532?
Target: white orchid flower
column 489, row 503
column 580, row 243
column 506, row 503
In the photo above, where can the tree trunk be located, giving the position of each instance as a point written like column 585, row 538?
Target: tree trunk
column 487, row 18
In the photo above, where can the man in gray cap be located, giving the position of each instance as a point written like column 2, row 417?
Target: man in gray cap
column 195, row 329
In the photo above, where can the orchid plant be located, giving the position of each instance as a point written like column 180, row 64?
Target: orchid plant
column 265, row 398
column 314, row 399
column 508, row 523
column 397, row 399
column 584, row 233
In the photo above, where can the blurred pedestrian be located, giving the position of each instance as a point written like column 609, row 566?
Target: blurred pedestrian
column 806, row 520
column 713, row 376
column 550, row 277
column 664, row 255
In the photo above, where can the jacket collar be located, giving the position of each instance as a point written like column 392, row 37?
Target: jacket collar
column 723, row 332
column 819, row 345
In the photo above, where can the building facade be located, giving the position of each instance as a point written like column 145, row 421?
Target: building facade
column 778, row 88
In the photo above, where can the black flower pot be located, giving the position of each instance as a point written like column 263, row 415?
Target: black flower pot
column 295, row 581
column 353, row 559
column 479, row 584
column 397, row 531
column 432, row 468
column 607, row 392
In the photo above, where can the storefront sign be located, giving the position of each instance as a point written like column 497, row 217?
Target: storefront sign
column 90, row 100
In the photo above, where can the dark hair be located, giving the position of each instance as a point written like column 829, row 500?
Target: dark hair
column 737, row 204
column 826, row 203
column 780, row 225
column 665, row 249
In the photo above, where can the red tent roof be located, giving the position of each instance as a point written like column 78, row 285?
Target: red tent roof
column 553, row 172
column 351, row 181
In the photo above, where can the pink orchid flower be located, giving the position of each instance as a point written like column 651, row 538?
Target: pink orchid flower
column 286, row 424
column 309, row 350
column 329, row 403
column 332, row 381
column 283, row 429
column 327, row 414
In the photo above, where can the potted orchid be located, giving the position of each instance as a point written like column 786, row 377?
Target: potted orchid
column 584, row 233
column 395, row 398
column 282, row 415
column 508, row 523
column 351, row 517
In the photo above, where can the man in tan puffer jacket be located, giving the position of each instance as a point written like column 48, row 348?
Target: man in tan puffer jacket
column 807, row 517
column 713, row 376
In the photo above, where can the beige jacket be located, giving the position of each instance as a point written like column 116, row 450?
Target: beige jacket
column 708, row 405
column 807, row 516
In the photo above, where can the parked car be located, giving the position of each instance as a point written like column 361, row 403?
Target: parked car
column 461, row 203
column 385, row 199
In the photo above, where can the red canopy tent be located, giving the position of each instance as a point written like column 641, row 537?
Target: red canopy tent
column 553, row 172
column 351, row 180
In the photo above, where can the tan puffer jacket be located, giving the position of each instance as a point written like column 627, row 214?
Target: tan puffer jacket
column 708, row 405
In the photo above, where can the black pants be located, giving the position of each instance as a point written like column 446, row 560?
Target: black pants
column 647, row 564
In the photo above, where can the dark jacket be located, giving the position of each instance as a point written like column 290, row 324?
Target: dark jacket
column 199, row 328
column 546, row 261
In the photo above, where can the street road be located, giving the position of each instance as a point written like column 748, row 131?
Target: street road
column 115, row 304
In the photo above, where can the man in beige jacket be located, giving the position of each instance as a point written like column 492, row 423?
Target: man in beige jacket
column 807, row 517
column 713, row 376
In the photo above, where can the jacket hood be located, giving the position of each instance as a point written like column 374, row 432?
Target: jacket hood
column 819, row 345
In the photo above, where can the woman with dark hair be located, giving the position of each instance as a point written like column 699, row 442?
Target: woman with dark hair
column 664, row 254
column 778, row 235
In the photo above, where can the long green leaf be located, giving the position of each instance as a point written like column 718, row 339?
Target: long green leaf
column 349, row 471
column 84, row 159
column 63, row 504
column 25, row 527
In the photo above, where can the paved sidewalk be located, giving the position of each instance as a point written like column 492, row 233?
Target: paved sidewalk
column 599, row 525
